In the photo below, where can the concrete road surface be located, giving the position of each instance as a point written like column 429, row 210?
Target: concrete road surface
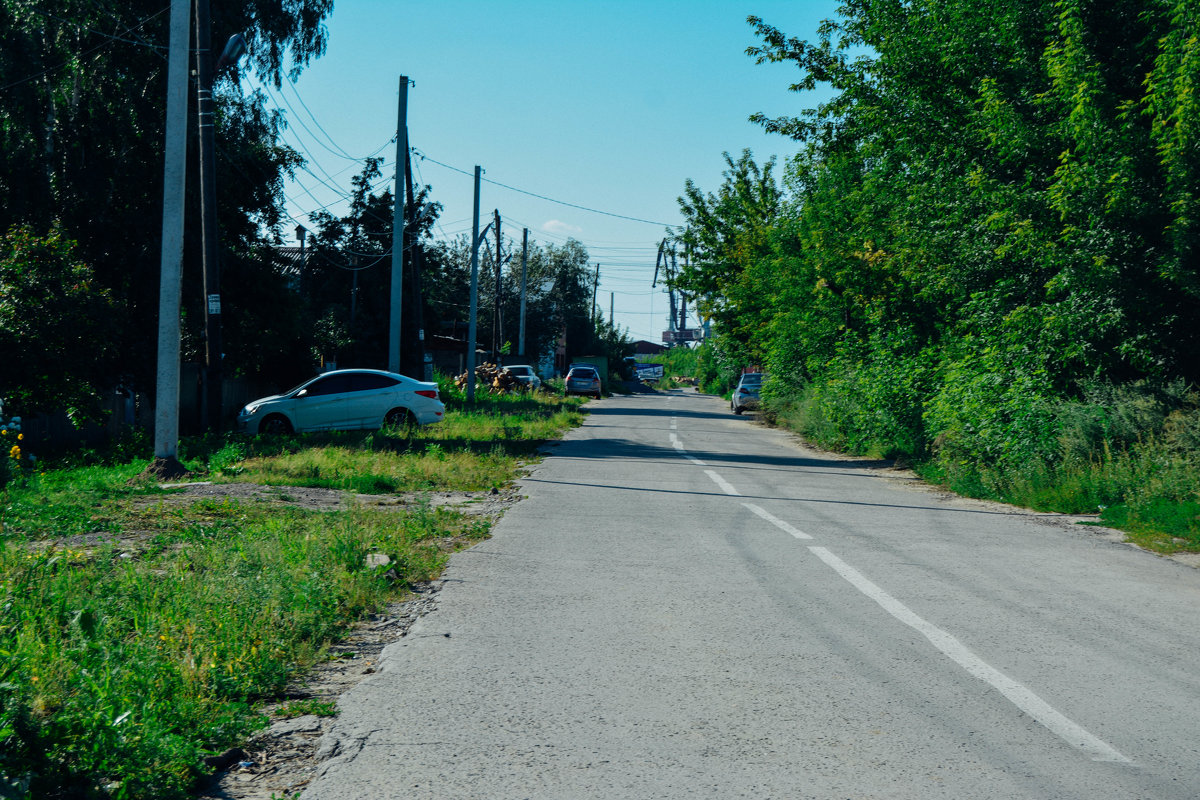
column 688, row 604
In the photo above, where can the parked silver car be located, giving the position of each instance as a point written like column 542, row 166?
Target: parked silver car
column 583, row 380
column 526, row 375
column 745, row 395
column 345, row 399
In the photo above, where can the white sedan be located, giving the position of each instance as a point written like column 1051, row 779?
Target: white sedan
column 526, row 375
column 345, row 399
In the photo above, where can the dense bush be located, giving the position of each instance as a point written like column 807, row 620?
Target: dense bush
column 983, row 254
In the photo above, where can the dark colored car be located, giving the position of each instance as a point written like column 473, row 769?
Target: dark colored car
column 583, row 380
column 745, row 395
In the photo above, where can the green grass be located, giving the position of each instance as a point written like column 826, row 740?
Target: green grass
column 1144, row 481
column 139, row 633
column 300, row 708
column 128, row 669
column 1147, row 491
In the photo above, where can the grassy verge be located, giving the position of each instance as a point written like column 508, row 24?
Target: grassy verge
column 138, row 634
column 1132, row 460
column 1148, row 491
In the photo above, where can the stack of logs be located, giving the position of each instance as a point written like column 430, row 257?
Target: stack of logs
column 497, row 380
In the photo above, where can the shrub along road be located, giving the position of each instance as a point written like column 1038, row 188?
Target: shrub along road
column 689, row 604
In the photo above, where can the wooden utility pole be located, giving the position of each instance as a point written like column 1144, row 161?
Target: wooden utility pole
column 471, row 331
column 524, row 264
column 397, row 294
column 210, row 399
column 595, row 286
column 424, row 363
column 166, row 402
column 496, row 344
column 671, row 294
column 683, row 297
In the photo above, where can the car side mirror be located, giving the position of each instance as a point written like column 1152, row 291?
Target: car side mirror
column 302, row 393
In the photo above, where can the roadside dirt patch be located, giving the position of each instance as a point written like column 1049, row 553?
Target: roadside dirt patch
column 491, row 503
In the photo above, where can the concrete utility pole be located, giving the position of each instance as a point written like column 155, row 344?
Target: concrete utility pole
column 496, row 344
column 474, row 294
column 397, row 293
column 524, row 264
column 166, row 403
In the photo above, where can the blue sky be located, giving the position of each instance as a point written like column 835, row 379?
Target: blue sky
column 609, row 105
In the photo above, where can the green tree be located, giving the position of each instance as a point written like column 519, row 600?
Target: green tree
column 726, row 233
column 82, row 115
column 52, row 315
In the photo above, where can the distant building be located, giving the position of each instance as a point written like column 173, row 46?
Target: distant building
column 644, row 348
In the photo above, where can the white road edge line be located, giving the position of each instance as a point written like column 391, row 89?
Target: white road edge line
column 725, row 485
column 956, row 651
column 777, row 522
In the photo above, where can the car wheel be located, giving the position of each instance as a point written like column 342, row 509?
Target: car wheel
column 737, row 410
column 275, row 425
column 400, row 418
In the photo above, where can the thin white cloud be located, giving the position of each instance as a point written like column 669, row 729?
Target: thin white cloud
column 557, row 226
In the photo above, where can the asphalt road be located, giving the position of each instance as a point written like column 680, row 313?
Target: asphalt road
column 688, row 604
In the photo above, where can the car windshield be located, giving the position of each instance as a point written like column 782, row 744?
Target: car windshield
column 752, row 379
column 295, row 389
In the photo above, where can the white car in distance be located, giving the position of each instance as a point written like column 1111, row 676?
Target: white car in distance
column 525, row 374
column 345, row 399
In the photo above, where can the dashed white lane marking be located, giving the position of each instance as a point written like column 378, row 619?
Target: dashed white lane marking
column 725, row 485
column 956, row 651
column 679, row 446
column 777, row 522
column 1016, row 693
column 674, row 424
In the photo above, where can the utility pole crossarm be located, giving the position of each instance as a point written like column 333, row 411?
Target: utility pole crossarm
column 482, row 235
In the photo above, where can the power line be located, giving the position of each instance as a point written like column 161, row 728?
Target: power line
column 85, row 53
column 317, row 122
column 83, row 27
column 542, row 196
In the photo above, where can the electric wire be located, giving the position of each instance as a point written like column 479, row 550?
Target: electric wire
column 85, row 53
column 542, row 196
